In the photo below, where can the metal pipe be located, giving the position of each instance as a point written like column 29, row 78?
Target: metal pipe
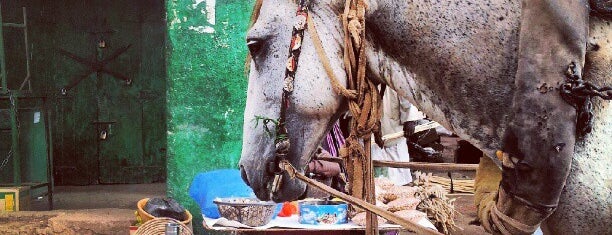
column 2, row 58
column 48, row 135
column 27, row 51
column 14, row 25
column 15, row 141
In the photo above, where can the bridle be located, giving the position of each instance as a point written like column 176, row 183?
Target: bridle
column 363, row 95
column 282, row 140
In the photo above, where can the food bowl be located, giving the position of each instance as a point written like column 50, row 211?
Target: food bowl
column 248, row 211
column 323, row 212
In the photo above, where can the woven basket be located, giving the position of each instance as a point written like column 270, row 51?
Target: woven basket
column 248, row 211
column 157, row 226
column 146, row 216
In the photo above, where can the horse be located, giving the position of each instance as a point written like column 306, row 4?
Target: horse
column 455, row 60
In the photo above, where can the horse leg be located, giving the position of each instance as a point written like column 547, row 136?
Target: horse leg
column 486, row 186
column 585, row 206
column 539, row 142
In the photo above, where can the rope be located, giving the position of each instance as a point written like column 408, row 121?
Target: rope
column 292, row 172
column 364, row 103
column 499, row 217
column 336, row 86
column 495, row 221
column 364, row 100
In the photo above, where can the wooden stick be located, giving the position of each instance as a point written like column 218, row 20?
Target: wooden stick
column 418, row 128
column 358, row 202
column 330, row 159
column 370, row 195
column 427, row 166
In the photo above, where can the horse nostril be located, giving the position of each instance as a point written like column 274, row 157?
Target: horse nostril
column 244, row 176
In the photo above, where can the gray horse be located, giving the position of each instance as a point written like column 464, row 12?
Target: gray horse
column 454, row 59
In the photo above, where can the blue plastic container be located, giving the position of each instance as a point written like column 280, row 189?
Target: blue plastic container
column 208, row 186
column 277, row 210
column 323, row 212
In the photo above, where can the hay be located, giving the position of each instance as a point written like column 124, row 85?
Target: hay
column 439, row 208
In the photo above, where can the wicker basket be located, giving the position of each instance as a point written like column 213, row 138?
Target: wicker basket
column 248, row 211
column 146, row 216
column 157, row 226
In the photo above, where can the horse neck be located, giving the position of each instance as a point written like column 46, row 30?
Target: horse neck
column 387, row 70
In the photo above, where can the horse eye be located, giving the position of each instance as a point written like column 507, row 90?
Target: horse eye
column 254, row 45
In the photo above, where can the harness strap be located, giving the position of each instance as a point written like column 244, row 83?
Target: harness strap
column 316, row 40
column 282, row 139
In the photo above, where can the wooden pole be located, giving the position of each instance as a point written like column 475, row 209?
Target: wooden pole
column 417, row 129
column 427, row 166
column 368, row 184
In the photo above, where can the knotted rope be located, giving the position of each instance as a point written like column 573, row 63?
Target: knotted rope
column 498, row 222
column 364, row 104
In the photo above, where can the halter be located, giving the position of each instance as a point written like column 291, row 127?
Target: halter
column 295, row 48
column 362, row 94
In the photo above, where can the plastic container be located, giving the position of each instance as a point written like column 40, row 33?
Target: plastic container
column 323, row 212
column 209, row 186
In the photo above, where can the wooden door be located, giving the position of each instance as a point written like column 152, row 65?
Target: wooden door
column 110, row 126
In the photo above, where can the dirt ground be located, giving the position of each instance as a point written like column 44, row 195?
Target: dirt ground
column 93, row 209
column 92, row 221
column 465, row 206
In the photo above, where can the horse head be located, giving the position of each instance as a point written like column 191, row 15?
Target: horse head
column 312, row 106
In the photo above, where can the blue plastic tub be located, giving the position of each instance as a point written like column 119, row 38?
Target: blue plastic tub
column 208, row 186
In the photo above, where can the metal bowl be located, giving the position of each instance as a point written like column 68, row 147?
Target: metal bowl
column 248, row 211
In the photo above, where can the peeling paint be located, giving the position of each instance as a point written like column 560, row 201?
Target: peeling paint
column 206, row 93
column 202, row 29
column 208, row 11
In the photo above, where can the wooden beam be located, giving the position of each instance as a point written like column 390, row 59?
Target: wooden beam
column 427, row 166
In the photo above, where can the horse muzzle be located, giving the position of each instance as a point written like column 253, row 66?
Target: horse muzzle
column 256, row 181
column 286, row 188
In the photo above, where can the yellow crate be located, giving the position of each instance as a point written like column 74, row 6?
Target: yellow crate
column 14, row 198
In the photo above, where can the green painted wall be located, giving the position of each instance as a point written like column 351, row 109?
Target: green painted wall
column 206, row 89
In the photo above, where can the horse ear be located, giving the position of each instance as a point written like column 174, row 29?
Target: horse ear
column 255, row 13
column 254, row 17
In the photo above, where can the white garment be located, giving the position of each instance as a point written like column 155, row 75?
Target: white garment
column 397, row 153
column 395, row 112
